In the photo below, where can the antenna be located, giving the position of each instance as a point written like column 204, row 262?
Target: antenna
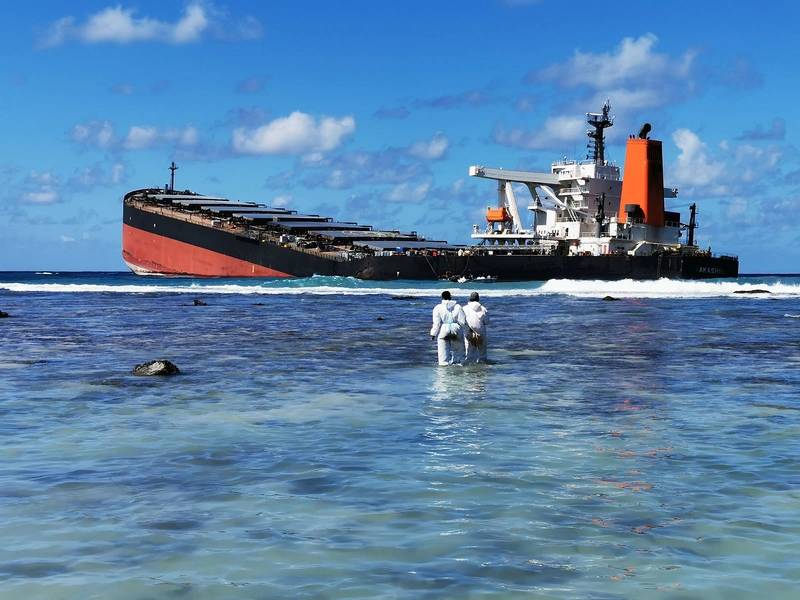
column 173, row 167
column 692, row 223
column 597, row 144
column 601, row 211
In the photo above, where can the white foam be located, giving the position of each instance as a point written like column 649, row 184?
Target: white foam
column 626, row 288
column 667, row 288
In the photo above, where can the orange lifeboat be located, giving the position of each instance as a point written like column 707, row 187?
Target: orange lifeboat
column 497, row 215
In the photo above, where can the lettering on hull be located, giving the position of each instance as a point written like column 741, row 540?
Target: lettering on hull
column 709, row 270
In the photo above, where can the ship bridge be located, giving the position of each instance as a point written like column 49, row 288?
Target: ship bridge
column 577, row 200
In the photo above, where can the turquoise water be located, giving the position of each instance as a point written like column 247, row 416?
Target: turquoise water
column 645, row 448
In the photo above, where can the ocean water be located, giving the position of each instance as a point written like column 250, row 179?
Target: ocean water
column 644, row 448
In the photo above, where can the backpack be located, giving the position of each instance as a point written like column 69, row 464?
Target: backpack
column 474, row 338
column 451, row 328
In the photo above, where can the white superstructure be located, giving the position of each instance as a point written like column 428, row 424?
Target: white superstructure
column 575, row 208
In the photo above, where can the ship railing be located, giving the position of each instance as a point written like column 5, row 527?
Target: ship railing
column 573, row 190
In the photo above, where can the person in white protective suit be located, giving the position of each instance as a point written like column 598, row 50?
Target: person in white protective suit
column 448, row 328
column 477, row 318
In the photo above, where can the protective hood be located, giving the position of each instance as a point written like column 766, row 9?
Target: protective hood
column 476, row 315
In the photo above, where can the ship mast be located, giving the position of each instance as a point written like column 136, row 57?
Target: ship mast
column 692, row 223
column 597, row 145
column 173, row 167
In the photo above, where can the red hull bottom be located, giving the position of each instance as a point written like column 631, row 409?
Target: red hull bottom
column 149, row 253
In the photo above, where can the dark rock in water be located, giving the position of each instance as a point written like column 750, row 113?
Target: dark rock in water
column 199, row 302
column 156, row 367
column 259, row 304
column 4, row 315
column 610, row 299
column 752, row 292
column 404, row 297
column 380, row 318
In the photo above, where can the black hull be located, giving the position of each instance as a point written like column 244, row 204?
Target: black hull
column 503, row 267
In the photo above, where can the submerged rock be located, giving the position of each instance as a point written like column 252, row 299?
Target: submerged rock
column 752, row 292
column 199, row 302
column 610, row 299
column 156, row 367
column 380, row 318
column 4, row 315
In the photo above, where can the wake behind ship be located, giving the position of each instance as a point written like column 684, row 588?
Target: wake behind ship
column 585, row 223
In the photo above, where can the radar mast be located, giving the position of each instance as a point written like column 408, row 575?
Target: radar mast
column 172, row 168
column 597, row 145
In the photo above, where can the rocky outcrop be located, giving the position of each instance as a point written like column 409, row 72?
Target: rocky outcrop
column 610, row 299
column 156, row 367
column 4, row 315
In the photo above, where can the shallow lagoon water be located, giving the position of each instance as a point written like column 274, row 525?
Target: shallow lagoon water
column 642, row 448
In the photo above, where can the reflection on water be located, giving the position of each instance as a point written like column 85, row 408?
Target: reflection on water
column 459, row 381
column 636, row 449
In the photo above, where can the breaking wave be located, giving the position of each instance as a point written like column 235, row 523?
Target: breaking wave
column 627, row 288
column 669, row 288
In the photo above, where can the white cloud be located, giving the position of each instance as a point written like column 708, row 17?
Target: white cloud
column 406, row 192
column 101, row 134
column 186, row 137
column 41, row 197
column 117, row 173
column 191, row 25
column 432, row 149
column 41, row 188
column 140, row 137
column 633, row 75
column 120, row 25
column 626, row 100
column 693, row 166
column 299, row 133
column 281, row 201
column 632, row 61
column 94, row 133
column 753, row 163
column 555, row 132
column 337, row 179
column 97, row 175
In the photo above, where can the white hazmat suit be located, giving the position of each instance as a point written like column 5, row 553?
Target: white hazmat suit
column 448, row 327
column 477, row 318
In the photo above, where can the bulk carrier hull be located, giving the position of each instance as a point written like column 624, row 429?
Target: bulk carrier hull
column 586, row 223
column 156, row 242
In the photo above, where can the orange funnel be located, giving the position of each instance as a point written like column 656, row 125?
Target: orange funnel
column 643, row 184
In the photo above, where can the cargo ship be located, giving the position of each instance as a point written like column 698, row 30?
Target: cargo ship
column 583, row 222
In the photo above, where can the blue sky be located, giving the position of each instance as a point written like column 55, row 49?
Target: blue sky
column 374, row 111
